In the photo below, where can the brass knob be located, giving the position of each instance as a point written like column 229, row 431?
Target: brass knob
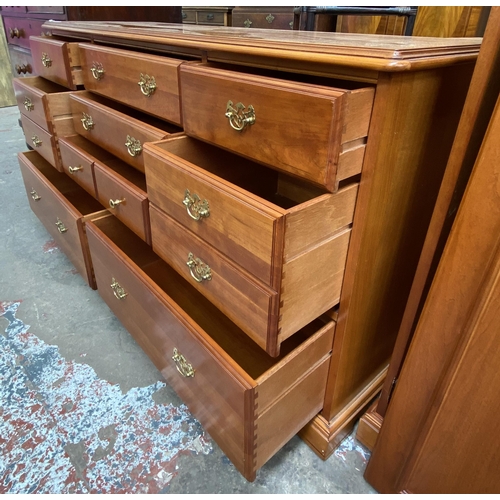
column 15, row 33
column 210, row 17
column 195, row 208
column 115, row 203
column 28, row 104
column 134, row 146
column 87, row 121
column 118, row 290
column 73, row 170
column 183, row 367
column 35, row 195
column 198, row 269
column 238, row 117
column 46, row 60
column 184, row 15
column 97, row 70
column 60, row 226
column 36, row 141
column 147, row 84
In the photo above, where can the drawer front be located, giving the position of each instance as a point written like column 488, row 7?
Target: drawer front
column 264, row 20
column 19, row 30
column 291, row 127
column 59, row 217
column 145, row 82
column 216, row 394
column 95, row 121
column 236, row 224
column 189, row 16
column 30, row 102
column 21, row 61
column 41, row 141
column 207, row 17
column 248, row 304
column 78, row 166
column 57, row 61
column 127, row 202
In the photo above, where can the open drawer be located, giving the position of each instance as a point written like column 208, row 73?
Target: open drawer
column 63, row 207
column 276, row 247
column 250, row 403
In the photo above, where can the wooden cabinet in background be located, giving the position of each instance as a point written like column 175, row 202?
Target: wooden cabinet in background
column 211, row 16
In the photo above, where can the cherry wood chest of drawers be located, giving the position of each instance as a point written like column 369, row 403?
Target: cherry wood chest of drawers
column 261, row 202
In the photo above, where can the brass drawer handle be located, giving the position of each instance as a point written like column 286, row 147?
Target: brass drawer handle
column 97, row 70
column 183, row 367
column 238, row 117
column 247, row 23
column 198, row 269
column 270, row 18
column 118, row 290
column 210, row 17
column 195, row 207
column 147, row 84
column 60, row 226
column 134, row 147
column 36, row 141
column 74, row 170
column 35, row 195
column 87, row 121
column 46, row 60
column 15, row 33
column 291, row 25
column 28, row 104
column 184, row 15
column 115, row 203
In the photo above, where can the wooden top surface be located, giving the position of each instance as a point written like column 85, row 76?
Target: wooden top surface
column 377, row 52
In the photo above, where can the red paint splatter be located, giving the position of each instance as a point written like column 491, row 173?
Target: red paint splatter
column 50, row 246
column 4, row 304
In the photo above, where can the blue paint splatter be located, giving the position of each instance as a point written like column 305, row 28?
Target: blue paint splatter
column 53, row 413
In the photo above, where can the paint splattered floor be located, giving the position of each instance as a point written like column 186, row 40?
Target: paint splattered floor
column 83, row 410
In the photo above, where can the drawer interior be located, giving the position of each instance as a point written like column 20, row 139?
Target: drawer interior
column 248, row 355
column 264, row 182
column 76, row 195
column 44, row 85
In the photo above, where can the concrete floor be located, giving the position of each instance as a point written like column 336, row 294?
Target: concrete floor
column 82, row 407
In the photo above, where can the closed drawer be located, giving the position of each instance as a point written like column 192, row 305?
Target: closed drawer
column 263, row 17
column 122, row 189
column 207, row 17
column 248, row 402
column 41, row 141
column 77, row 160
column 145, row 82
column 302, row 129
column 19, row 30
column 94, row 117
column 62, row 207
column 265, row 222
column 43, row 101
column 189, row 16
column 57, row 61
column 21, row 61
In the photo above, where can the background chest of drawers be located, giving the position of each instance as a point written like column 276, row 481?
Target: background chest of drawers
column 262, row 225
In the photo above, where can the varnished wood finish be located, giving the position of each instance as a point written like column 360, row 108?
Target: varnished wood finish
column 369, row 427
column 108, row 116
column 280, row 18
column 49, row 101
column 19, row 30
column 481, row 99
column 296, row 247
column 41, row 141
column 374, row 52
column 228, row 368
column 21, row 61
column 308, row 123
column 116, row 181
column 210, row 16
column 122, row 72
column 450, row 21
column 65, row 66
column 60, row 199
column 440, row 433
